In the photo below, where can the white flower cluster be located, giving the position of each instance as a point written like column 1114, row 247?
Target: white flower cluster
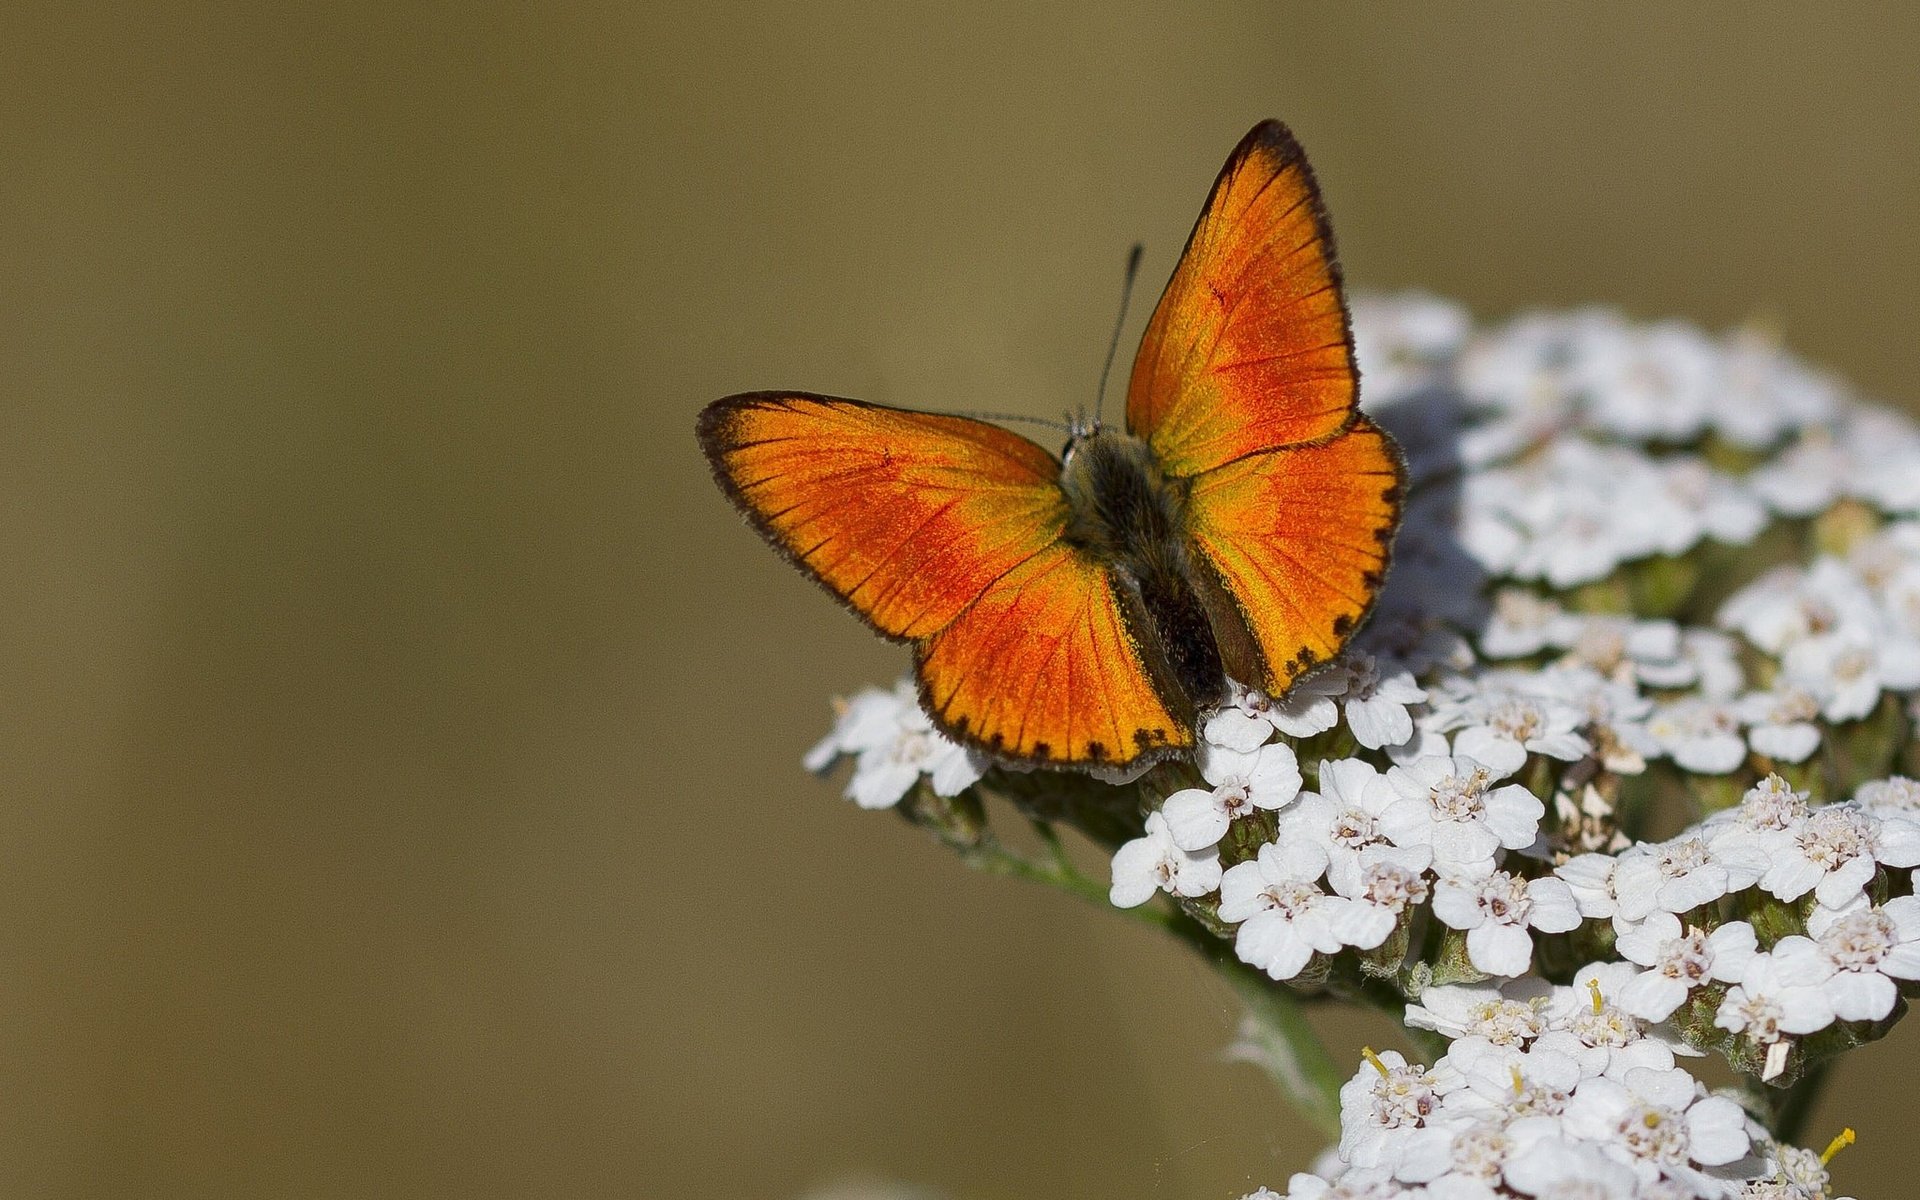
column 1580, row 605
column 1841, row 967
column 1843, row 630
column 1384, row 844
column 893, row 744
column 1556, row 1093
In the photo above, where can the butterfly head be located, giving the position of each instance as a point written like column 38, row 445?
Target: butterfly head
column 1082, row 427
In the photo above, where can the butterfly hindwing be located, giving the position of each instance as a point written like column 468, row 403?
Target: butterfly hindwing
column 1299, row 538
column 947, row 532
column 1249, row 347
column 1046, row 667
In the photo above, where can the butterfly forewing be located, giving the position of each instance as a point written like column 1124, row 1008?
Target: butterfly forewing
column 1248, row 349
column 908, row 517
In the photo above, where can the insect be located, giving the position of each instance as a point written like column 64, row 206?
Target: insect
column 1086, row 610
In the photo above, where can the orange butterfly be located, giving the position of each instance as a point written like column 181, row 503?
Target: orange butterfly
column 1083, row 610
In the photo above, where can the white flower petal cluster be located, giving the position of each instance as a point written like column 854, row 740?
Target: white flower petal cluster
column 893, row 745
column 1663, row 383
column 1462, row 781
column 1356, row 858
column 1664, row 901
column 1576, row 510
column 1544, row 1092
column 1843, row 630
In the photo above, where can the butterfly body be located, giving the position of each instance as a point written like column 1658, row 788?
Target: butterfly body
column 1085, row 610
column 1128, row 515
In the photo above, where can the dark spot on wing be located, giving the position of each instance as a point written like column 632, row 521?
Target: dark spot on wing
column 1041, row 749
column 997, row 740
column 1342, row 625
column 1096, row 751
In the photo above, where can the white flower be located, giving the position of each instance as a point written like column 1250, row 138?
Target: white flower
column 1768, row 816
column 1804, row 478
column 1894, row 797
column 1847, row 671
column 1498, row 910
column 1728, row 511
column 1834, row 853
column 1792, row 1174
column 1376, row 698
column 1309, row 706
column 1649, row 382
column 1781, row 992
column 1510, row 1014
column 1679, row 961
column 1682, row 874
column 1401, row 342
column 1452, row 805
column 1659, row 1123
column 1155, row 863
column 1881, row 446
column 1385, row 1100
column 1242, row 781
column 1708, row 662
column 1390, row 882
column 1589, row 879
column 1243, row 722
column 894, row 744
column 1502, row 716
column 1459, row 1162
column 1561, row 1168
column 1587, row 1024
column 1343, row 817
column 1509, row 1082
column 1624, row 648
column 1700, row 735
column 1764, row 393
column 1789, row 604
column 1283, row 915
column 1613, row 714
column 1523, row 623
column 1781, row 722
column 1868, row 949
column 1518, row 377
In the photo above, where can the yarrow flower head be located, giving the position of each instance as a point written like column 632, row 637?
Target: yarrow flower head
column 1619, row 772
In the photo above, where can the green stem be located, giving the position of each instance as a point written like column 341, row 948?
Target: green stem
column 1290, row 1050
column 1790, row 1115
column 990, row 856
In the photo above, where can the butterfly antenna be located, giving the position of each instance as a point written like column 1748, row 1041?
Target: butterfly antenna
column 1056, row 426
column 1113, row 346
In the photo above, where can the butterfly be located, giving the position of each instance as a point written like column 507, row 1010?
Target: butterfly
column 1087, row 610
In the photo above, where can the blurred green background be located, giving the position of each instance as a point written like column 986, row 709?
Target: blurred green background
column 400, row 756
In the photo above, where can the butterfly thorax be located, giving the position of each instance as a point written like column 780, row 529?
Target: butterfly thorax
column 1129, row 516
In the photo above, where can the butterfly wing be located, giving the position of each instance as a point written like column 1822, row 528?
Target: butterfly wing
column 1249, row 347
column 1245, row 386
column 947, row 532
column 1299, row 536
